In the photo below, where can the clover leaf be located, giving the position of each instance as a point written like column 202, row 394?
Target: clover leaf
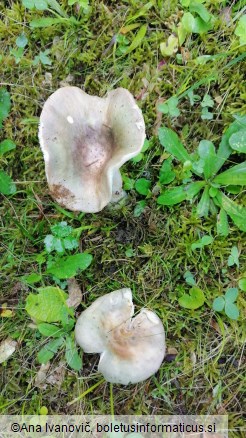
column 227, row 303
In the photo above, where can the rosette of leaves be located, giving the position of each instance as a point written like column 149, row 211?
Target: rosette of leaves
column 58, row 246
column 7, row 185
column 55, row 321
column 202, row 181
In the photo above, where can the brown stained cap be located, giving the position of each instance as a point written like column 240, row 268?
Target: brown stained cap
column 132, row 349
column 85, row 140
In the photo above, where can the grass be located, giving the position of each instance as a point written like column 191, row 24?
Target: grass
column 207, row 372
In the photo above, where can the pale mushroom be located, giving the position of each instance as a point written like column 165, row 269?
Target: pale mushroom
column 85, row 140
column 132, row 349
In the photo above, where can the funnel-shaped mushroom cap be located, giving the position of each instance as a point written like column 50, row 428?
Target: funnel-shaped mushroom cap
column 132, row 349
column 85, row 140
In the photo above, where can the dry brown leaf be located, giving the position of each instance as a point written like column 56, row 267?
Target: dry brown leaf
column 7, row 348
column 41, row 376
column 74, row 292
column 57, row 375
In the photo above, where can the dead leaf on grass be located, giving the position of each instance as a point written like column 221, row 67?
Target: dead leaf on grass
column 74, row 292
column 7, row 348
column 6, row 312
column 57, row 375
column 41, row 376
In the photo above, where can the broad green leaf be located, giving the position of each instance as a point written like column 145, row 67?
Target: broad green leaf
column 41, row 5
column 146, row 145
column 231, row 294
column 67, row 267
column 170, row 141
column 242, row 284
column 50, row 330
column 236, row 175
column 203, row 205
column 200, row 26
column 240, row 30
column 4, row 104
column 142, row 186
column 7, row 185
column 137, row 40
column 169, row 47
column 194, row 300
column 212, row 207
column 32, row 278
column 172, row 196
column 206, row 114
column 189, row 278
column 238, row 141
column 139, row 208
column 128, row 183
column 73, row 359
column 206, row 151
column 29, row 4
column 167, row 175
column 137, row 158
column 213, row 191
column 188, row 22
column 218, row 304
column 193, row 189
column 205, row 240
column 47, row 305
column 6, row 146
column 234, row 190
column 231, row 311
column 235, row 211
column 225, row 150
column 21, row 41
column 46, row 22
column 200, row 10
column 233, row 257
column 49, row 350
column 182, row 33
column 222, row 223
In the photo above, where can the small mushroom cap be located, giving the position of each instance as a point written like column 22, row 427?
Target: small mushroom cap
column 85, row 140
column 132, row 349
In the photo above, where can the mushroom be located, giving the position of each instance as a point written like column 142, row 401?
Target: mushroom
column 85, row 140
column 132, row 349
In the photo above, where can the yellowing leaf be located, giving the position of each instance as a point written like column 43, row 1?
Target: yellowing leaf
column 125, row 29
column 6, row 313
column 170, row 46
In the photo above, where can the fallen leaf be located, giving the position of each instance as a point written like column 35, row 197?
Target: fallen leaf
column 57, row 375
column 7, row 348
column 41, row 376
column 169, row 47
column 74, row 292
column 5, row 312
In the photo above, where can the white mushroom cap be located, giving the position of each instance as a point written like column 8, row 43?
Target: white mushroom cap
column 85, row 140
column 132, row 349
